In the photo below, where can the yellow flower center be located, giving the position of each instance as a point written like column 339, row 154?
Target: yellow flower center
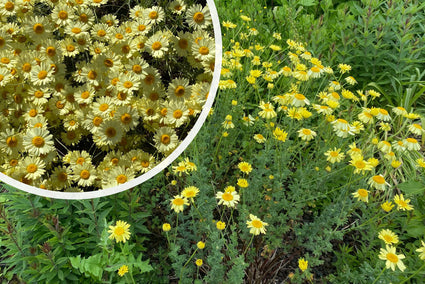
column 198, row 17
column 92, row 75
column 121, row 179
column 26, row 67
column 179, row 91
column 137, row 68
column 362, row 192
column 121, row 96
column 32, row 112
column 145, row 164
column 32, row 168
column 85, row 174
column 38, row 28
column 12, row 141
column 59, row 105
column 38, row 94
column 108, row 62
column 300, row 97
column 204, row 50
column 178, row 201
column 115, row 161
column 126, row 118
column 84, row 18
column 402, row 203
column 178, row 7
column 9, row 6
column 97, row 120
column 119, row 36
column 412, row 140
column 153, row 15
column 38, row 125
column 141, row 28
column 392, row 257
column 156, row 45
column 5, row 60
column 13, row 162
column 379, row 179
column 257, row 224
column 63, row 15
column 334, row 154
column 127, row 84
column 51, row 51
column 85, row 95
column 306, row 131
column 101, row 33
column 111, row 132
column 165, row 139
column 76, row 30
column 103, row 107
column 38, row 141
column 42, row 74
column 70, row 48
column 360, row 164
column 388, row 238
column 80, row 161
column 177, row 114
column 227, row 196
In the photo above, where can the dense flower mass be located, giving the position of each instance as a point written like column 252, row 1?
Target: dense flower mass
column 92, row 98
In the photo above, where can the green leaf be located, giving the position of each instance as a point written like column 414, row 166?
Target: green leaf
column 412, row 187
column 415, row 227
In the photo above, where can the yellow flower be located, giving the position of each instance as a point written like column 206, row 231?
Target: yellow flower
column 166, row 227
column 245, row 167
column 402, row 204
column 334, row 156
column 388, row 237
column 387, row 206
column 302, row 264
column 344, row 68
column 200, row 245
column 392, row 259
column 221, row 225
column 122, row 270
column 228, row 198
column 361, row 195
column 199, row 262
column 421, row 251
column 190, row 192
column 378, row 182
column 256, row 226
column 120, row 232
column 178, row 203
column 242, row 183
column 306, row 134
column 245, row 18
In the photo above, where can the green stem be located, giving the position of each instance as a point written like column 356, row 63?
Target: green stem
column 379, row 276
column 249, row 244
column 421, row 269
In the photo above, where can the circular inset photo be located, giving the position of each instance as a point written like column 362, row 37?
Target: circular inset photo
column 97, row 96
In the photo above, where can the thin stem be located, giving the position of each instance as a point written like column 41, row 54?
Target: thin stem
column 379, row 276
column 421, row 269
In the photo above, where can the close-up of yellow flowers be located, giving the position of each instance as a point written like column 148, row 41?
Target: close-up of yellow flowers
column 80, row 82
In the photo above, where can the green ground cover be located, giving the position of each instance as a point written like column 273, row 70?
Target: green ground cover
column 308, row 169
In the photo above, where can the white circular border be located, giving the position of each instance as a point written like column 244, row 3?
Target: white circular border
column 168, row 160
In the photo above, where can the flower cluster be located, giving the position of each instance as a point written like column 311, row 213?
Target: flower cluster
column 91, row 99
